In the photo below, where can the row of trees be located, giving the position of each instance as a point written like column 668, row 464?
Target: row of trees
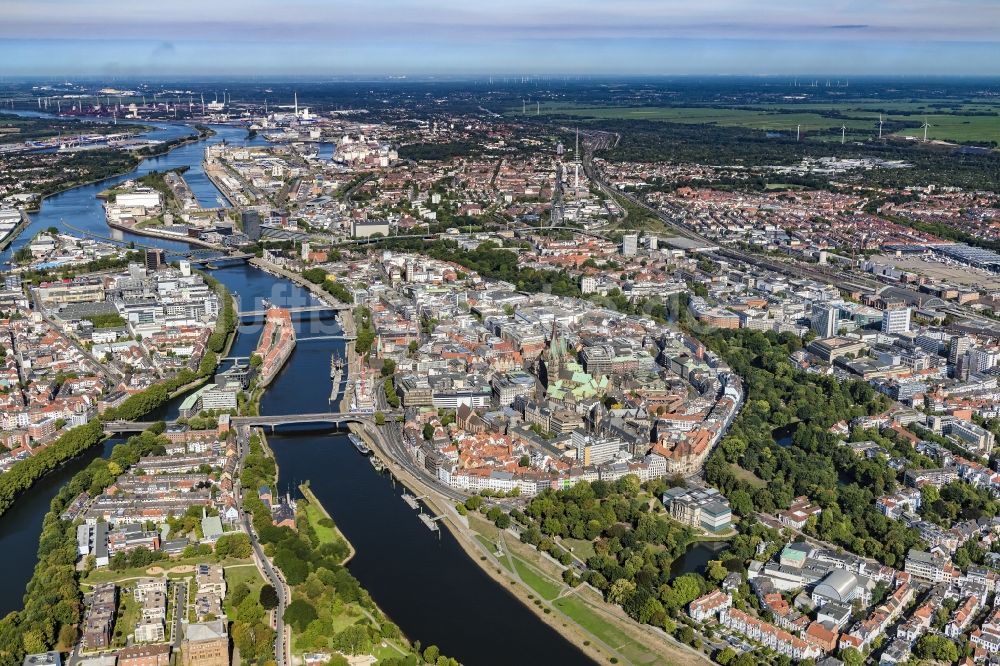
column 333, row 287
column 23, row 474
column 251, row 634
column 364, row 330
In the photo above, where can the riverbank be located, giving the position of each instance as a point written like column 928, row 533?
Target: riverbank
column 93, row 181
column 152, row 233
column 16, row 231
column 138, row 157
column 267, row 450
column 202, row 132
column 314, row 289
column 313, row 501
column 588, row 639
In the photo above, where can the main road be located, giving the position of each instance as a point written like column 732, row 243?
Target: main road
column 270, row 573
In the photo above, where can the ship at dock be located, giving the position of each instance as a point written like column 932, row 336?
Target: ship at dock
column 336, row 375
column 359, row 444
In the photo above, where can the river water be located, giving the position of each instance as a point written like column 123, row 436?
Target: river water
column 425, row 583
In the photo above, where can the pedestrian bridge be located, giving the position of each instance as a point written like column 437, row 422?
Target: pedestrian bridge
column 333, row 418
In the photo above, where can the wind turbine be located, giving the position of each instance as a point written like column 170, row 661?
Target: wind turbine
column 798, row 132
column 843, row 134
column 880, row 127
column 925, row 126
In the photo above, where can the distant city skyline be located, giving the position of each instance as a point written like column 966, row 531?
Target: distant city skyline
column 453, row 37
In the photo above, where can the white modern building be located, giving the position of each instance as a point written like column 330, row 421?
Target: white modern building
column 896, row 320
column 630, row 245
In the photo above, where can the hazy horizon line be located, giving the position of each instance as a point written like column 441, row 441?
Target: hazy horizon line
column 803, row 80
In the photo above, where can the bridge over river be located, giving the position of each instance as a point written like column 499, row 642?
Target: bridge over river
column 246, row 314
column 333, row 418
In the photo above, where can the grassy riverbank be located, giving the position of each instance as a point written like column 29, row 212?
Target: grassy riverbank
column 326, row 530
column 329, row 609
column 601, row 631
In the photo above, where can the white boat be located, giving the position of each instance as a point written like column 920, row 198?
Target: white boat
column 359, row 444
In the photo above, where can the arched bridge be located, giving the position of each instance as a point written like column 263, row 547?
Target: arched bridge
column 334, row 418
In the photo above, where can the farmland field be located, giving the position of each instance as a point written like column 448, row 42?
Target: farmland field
column 859, row 116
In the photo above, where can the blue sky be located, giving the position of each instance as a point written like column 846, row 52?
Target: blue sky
column 386, row 37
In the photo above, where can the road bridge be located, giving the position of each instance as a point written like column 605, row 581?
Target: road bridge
column 346, row 338
column 306, row 308
column 334, row 418
column 222, row 259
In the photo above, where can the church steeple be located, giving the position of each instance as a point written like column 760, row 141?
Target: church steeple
column 554, row 356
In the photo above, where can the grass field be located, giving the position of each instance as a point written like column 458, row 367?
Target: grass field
column 862, row 118
column 588, row 618
column 958, row 128
column 325, row 533
column 543, row 578
column 635, row 650
column 746, row 475
column 236, row 576
column 484, row 527
column 128, row 615
column 760, row 120
column 544, row 586
column 580, row 547
column 328, row 533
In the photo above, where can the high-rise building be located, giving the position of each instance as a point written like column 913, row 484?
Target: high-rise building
column 155, row 258
column 963, row 367
column 959, row 345
column 984, row 359
column 824, row 320
column 251, row 224
column 630, row 245
column 896, row 320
